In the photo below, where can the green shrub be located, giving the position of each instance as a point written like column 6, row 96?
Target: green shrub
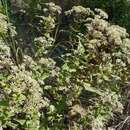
column 21, row 83
column 97, row 64
column 84, row 91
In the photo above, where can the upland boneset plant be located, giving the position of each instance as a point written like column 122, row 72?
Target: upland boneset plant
column 84, row 90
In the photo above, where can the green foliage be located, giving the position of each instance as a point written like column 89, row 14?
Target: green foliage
column 84, row 91
column 98, row 64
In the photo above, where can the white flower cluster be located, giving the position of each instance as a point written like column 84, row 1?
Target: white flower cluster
column 3, row 24
column 52, row 8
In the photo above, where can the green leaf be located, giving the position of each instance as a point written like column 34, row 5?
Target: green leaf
column 106, row 78
column 20, row 121
column 81, row 49
column 88, row 87
column 4, row 103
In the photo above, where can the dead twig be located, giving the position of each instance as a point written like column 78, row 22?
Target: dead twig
column 122, row 123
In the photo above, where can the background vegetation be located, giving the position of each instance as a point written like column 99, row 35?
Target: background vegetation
column 64, row 65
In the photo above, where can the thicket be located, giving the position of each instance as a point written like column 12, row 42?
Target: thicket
column 60, row 70
column 118, row 10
